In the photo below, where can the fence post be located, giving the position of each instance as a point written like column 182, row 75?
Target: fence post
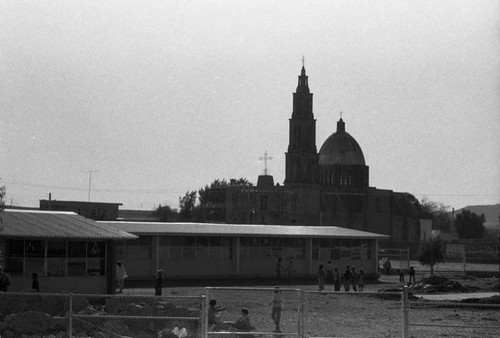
column 305, row 318
column 70, row 324
column 406, row 308
column 203, row 317
column 299, row 312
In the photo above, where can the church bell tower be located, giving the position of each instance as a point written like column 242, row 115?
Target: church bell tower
column 302, row 155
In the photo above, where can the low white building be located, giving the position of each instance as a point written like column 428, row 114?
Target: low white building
column 205, row 250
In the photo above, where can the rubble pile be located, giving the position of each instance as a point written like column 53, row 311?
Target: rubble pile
column 438, row 284
column 37, row 317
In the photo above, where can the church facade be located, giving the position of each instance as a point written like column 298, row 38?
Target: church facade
column 328, row 188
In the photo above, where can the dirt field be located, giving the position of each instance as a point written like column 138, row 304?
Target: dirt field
column 348, row 314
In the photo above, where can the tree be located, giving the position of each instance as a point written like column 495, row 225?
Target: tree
column 3, row 191
column 469, row 224
column 438, row 212
column 431, row 252
column 213, row 198
column 166, row 213
column 187, row 206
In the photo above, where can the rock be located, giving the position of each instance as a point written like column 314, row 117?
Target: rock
column 29, row 322
column 116, row 326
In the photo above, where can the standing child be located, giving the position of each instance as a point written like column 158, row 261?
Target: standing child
column 412, row 274
column 361, row 280
column 329, row 272
column 401, row 275
column 121, row 274
column 336, row 279
column 35, row 285
column 321, row 278
column 4, row 281
column 354, row 279
column 158, row 282
column 347, row 278
column 276, row 311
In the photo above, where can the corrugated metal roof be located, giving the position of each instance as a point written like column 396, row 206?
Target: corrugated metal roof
column 55, row 224
column 217, row 229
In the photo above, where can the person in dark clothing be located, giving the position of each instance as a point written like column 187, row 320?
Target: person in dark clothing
column 321, row 278
column 347, row 278
column 35, row 284
column 4, row 281
column 158, row 282
column 412, row 274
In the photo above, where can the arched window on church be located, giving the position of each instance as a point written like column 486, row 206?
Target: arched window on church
column 298, row 136
column 341, row 178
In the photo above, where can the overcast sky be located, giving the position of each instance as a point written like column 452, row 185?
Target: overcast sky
column 162, row 97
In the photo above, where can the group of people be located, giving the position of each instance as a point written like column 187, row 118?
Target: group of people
column 350, row 278
column 243, row 323
column 216, row 323
column 411, row 274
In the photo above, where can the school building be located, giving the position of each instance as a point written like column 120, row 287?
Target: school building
column 208, row 250
column 68, row 252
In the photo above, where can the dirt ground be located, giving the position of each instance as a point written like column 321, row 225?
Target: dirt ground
column 349, row 314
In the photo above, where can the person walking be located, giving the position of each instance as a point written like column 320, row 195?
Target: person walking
column 347, row 278
column 336, row 279
column 4, row 281
column 321, row 278
column 121, row 274
column 276, row 309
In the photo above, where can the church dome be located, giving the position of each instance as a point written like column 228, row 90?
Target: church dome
column 340, row 148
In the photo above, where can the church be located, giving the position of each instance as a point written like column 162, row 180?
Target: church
column 326, row 188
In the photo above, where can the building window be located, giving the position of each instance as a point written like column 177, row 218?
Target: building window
column 93, row 214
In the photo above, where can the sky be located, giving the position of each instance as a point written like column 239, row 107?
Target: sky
column 158, row 98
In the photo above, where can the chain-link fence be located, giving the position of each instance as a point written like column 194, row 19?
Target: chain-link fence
column 302, row 314
column 452, row 319
column 100, row 316
column 273, row 312
column 136, row 316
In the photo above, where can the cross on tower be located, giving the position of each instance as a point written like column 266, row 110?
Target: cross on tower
column 341, row 114
column 265, row 158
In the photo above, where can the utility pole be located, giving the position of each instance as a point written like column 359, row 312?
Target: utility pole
column 90, row 179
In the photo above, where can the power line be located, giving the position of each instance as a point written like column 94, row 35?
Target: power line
column 167, row 191
column 150, row 191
